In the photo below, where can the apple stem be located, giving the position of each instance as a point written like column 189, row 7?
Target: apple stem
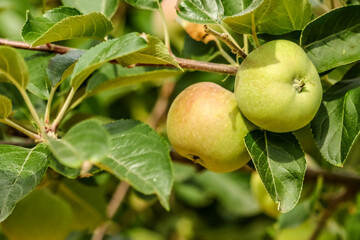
column 225, row 38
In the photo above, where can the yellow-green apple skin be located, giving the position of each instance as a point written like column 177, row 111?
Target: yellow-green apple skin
column 39, row 216
column 277, row 87
column 205, row 125
column 266, row 203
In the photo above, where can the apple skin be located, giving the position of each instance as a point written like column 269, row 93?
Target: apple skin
column 205, row 125
column 277, row 87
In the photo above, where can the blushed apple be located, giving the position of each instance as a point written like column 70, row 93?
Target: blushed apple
column 277, row 87
column 205, row 125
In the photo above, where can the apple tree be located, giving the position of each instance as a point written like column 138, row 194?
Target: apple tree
column 188, row 119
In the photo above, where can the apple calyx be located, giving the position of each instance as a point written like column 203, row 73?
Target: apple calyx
column 298, row 84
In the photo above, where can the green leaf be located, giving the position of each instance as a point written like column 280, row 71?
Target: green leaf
column 36, row 63
column 68, row 172
column 302, row 211
column 281, row 164
column 155, row 53
column 271, row 16
column 105, row 52
column 5, row 107
column 13, row 68
column 64, row 23
column 144, row 4
column 112, row 76
column 21, row 171
column 106, row 7
column 336, row 125
column 140, row 157
column 333, row 39
column 87, row 141
column 60, row 66
column 232, row 190
column 88, row 203
column 198, row 11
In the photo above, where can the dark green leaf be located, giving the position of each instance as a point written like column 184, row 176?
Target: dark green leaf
column 105, row 52
column 38, row 79
column 336, row 125
column 65, row 23
column 281, row 164
column 87, row 141
column 198, row 11
column 144, row 4
column 58, row 67
column 64, row 170
column 13, row 68
column 5, row 107
column 21, row 171
column 140, row 157
column 271, row 16
column 333, row 39
column 112, row 76
column 106, row 7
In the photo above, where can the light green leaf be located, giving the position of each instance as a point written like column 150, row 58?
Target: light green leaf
column 21, row 171
column 333, row 39
column 106, row 7
column 105, row 52
column 144, row 4
column 112, row 76
column 281, row 164
column 87, row 141
column 64, row 23
column 336, row 125
column 13, row 68
column 199, row 11
column 38, row 79
column 271, row 16
column 155, row 53
column 140, row 157
column 5, row 107
column 68, row 172
column 61, row 66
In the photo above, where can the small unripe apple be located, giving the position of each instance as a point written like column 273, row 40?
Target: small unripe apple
column 205, row 125
column 277, row 87
column 267, row 205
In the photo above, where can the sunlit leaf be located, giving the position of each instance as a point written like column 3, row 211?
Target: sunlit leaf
column 64, row 23
column 105, row 52
column 144, row 4
column 13, row 68
column 333, row 39
column 5, row 107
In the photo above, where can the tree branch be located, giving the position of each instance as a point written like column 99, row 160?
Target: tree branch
column 184, row 63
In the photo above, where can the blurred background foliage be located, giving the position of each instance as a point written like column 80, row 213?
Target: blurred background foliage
column 204, row 205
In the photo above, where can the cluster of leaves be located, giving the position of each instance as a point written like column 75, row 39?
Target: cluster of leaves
column 130, row 150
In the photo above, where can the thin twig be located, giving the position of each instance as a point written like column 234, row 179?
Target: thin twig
column 253, row 30
column 184, row 63
column 161, row 104
column 225, row 38
column 330, row 209
column 112, row 207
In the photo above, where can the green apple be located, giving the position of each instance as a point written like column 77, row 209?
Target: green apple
column 267, row 205
column 277, row 87
column 39, row 216
column 205, row 125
